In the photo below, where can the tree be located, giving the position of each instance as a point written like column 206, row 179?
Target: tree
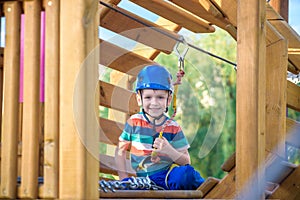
column 206, row 100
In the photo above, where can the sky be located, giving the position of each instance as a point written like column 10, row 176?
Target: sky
column 294, row 15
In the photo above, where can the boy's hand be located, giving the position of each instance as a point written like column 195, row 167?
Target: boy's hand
column 162, row 145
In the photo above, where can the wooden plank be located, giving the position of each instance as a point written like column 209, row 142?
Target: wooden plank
column 121, row 59
column 272, row 14
column 251, row 99
column 293, row 40
column 31, row 108
column 228, row 8
column 205, row 10
column 293, row 133
column 51, row 117
column 118, row 98
column 293, row 96
column 108, row 165
column 272, row 34
column 110, row 131
column 10, row 120
column 79, row 100
column 276, row 63
column 153, row 194
column 229, row 164
column 225, row 189
column 177, row 15
column 150, row 34
column 208, row 185
column 282, row 7
column 153, row 53
column 289, row 187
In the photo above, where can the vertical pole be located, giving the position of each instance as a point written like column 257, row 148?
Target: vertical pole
column 51, row 120
column 31, row 105
column 10, row 120
column 251, row 88
column 78, row 126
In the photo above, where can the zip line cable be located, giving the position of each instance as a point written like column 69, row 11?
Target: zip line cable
column 180, row 39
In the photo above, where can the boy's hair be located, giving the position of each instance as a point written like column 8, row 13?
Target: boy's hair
column 154, row 77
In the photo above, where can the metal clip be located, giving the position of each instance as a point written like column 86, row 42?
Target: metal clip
column 181, row 55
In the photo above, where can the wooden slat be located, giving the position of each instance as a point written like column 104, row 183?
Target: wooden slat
column 276, row 66
column 110, row 131
column 79, row 100
column 121, row 59
column 10, row 120
column 51, row 120
column 225, row 189
column 108, row 165
column 229, row 164
column 228, row 8
column 272, row 34
column 293, row 133
column 204, row 9
column 289, row 187
column 282, row 7
column 153, row 53
column 118, row 98
column 271, row 13
column 153, row 194
column 208, row 185
column 293, row 96
column 154, row 36
column 31, row 109
column 177, row 15
column 293, row 39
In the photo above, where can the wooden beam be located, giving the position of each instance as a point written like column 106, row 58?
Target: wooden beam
column 153, row 194
column 121, row 59
column 228, row 8
column 51, row 117
column 293, row 40
column 225, row 189
column 110, row 131
column 31, row 105
column 146, row 32
column 282, row 7
column 118, row 98
column 276, row 63
column 293, row 96
column 79, row 100
column 206, row 10
column 208, row 185
column 177, row 15
column 10, row 121
column 251, row 99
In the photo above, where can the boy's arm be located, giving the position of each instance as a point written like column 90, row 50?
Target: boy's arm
column 120, row 159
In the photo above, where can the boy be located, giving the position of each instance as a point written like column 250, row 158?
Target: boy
column 165, row 160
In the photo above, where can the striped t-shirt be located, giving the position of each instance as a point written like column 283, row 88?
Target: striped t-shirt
column 141, row 134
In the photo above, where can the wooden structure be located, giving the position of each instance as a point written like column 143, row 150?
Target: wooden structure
column 49, row 145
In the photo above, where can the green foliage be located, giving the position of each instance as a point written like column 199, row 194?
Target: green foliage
column 206, row 100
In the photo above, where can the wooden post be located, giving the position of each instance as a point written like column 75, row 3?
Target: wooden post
column 282, row 7
column 78, row 126
column 251, row 88
column 277, row 62
column 31, row 105
column 10, row 120
column 51, row 120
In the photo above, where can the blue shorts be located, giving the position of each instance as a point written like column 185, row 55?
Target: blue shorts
column 179, row 178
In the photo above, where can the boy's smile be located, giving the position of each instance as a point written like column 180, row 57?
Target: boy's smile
column 154, row 102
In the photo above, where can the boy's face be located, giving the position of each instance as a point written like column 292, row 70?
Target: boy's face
column 154, row 102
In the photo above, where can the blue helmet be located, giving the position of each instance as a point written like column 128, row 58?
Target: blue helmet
column 154, row 77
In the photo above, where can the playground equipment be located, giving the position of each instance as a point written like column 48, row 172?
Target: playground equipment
column 49, row 144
